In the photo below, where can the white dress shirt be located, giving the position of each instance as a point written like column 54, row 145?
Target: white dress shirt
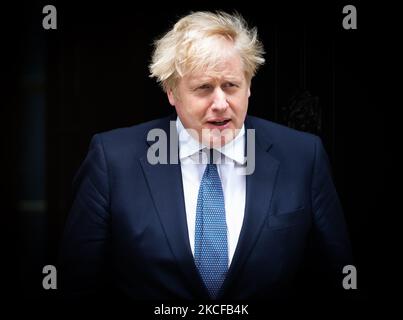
column 233, row 183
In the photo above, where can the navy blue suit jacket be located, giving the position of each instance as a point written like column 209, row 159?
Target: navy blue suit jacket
column 127, row 228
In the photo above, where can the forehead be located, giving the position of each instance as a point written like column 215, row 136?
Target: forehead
column 229, row 68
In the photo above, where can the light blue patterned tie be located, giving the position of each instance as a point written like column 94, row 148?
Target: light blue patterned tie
column 211, row 246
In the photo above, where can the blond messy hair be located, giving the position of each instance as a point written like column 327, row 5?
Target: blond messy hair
column 196, row 43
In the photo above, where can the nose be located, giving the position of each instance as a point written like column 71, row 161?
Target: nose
column 220, row 102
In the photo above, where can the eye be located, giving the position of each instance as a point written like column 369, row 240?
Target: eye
column 229, row 85
column 204, row 87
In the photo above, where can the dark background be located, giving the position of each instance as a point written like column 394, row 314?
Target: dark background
column 91, row 75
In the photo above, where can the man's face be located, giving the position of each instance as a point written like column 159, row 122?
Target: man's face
column 214, row 104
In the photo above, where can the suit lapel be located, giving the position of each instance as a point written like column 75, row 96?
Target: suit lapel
column 259, row 188
column 165, row 183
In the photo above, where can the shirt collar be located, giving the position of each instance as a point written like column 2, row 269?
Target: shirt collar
column 234, row 150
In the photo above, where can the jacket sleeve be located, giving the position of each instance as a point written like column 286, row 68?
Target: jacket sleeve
column 85, row 244
column 330, row 227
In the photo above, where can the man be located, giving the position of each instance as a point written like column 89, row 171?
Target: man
column 201, row 227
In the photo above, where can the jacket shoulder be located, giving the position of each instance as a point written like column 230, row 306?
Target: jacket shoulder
column 278, row 133
column 130, row 139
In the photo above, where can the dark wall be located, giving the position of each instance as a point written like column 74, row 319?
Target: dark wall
column 91, row 75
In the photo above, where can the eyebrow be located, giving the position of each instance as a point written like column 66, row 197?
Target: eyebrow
column 213, row 79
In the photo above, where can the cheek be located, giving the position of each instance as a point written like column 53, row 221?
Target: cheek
column 193, row 112
column 240, row 105
column 199, row 108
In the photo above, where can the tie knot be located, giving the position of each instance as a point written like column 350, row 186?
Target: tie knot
column 213, row 156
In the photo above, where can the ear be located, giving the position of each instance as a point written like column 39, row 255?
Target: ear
column 171, row 97
column 249, row 92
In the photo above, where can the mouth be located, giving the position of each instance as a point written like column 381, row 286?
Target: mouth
column 219, row 122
